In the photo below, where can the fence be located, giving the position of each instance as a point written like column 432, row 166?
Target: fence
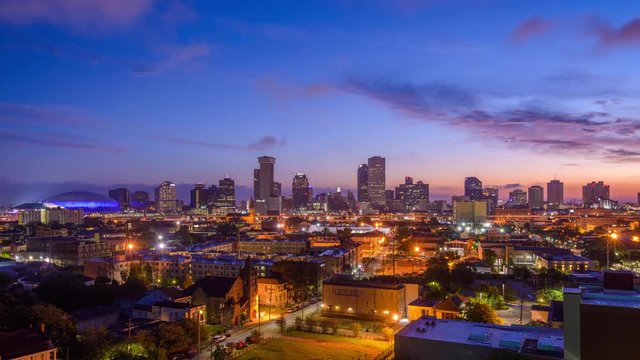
column 387, row 354
column 237, row 353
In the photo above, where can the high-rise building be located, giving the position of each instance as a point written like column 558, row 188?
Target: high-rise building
column 536, row 197
column 277, row 189
column 517, row 198
column 473, row 188
column 491, row 196
column 376, row 180
column 268, row 200
column 140, row 200
column 301, row 191
column 226, row 193
column 639, row 198
column 414, row 197
column 256, row 183
column 555, row 193
column 594, row 192
column 363, row 179
column 199, row 196
column 122, row 196
column 166, row 197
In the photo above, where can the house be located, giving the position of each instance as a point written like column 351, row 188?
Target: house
column 169, row 311
column 142, row 302
column 222, row 296
column 26, row 344
column 448, row 308
column 272, row 292
column 477, row 266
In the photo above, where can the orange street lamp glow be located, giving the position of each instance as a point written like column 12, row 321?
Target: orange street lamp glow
column 635, row 238
column 395, row 317
column 416, row 249
column 614, row 236
column 130, row 246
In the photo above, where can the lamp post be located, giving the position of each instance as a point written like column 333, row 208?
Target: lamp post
column 200, row 312
column 613, row 236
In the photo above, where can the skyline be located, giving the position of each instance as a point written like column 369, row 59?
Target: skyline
column 143, row 91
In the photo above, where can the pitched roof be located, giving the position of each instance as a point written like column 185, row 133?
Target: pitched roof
column 213, row 286
column 23, row 342
column 173, row 293
column 452, row 303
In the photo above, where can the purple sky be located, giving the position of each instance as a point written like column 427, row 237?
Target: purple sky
column 139, row 91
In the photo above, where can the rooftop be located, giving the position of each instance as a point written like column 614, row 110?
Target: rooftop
column 523, row 339
column 23, row 342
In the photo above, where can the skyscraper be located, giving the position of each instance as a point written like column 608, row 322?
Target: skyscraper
column 536, row 197
column 226, row 193
column 256, row 183
column 491, row 195
column 122, row 196
column 363, row 179
column 473, row 188
column 300, row 190
column 414, row 197
column 267, row 201
column 517, row 198
column 555, row 193
column 199, row 196
column 593, row 192
column 277, row 189
column 376, row 180
column 140, row 200
column 166, row 200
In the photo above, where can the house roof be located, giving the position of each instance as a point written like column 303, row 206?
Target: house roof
column 173, row 293
column 452, row 303
column 23, row 342
column 213, row 286
column 424, row 302
column 273, row 281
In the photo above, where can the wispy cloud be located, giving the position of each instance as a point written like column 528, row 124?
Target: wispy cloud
column 264, row 143
column 278, row 89
column 42, row 114
column 609, row 36
column 79, row 14
column 172, row 58
column 56, row 141
column 531, row 28
column 594, row 134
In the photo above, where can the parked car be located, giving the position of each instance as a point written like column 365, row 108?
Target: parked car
column 241, row 345
column 219, row 338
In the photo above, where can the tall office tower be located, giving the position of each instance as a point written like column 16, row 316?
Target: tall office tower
column 267, row 202
column 256, row 183
column 226, row 193
column 363, row 179
column 166, row 199
column 639, row 198
column 473, row 188
column 212, row 195
column 199, row 196
column 491, row 195
column 300, row 190
column 122, row 196
column 555, row 193
column 140, row 200
column 414, row 197
column 536, row 197
column 593, row 192
column 277, row 189
column 376, row 180
column 517, row 198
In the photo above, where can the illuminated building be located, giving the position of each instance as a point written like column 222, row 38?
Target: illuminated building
column 301, row 191
column 47, row 213
column 166, row 200
column 470, row 212
column 87, row 201
column 122, row 196
column 226, row 194
column 536, row 197
column 555, row 193
column 473, row 188
column 414, row 197
column 491, row 195
column 140, row 200
column 363, row 298
column 363, row 176
column 517, row 198
column 376, row 181
column 199, row 196
column 267, row 202
column 594, row 192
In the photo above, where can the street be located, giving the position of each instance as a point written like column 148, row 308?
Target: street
column 267, row 327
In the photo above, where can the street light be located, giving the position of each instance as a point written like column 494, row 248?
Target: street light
column 613, row 236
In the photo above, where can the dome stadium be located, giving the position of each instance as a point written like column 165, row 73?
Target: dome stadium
column 85, row 200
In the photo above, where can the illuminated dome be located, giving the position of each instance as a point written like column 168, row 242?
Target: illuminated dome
column 87, row 201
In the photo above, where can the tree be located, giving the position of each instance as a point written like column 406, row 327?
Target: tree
column 538, row 323
column 333, row 326
column 173, row 338
column 310, row 323
column 433, row 290
column 57, row 324
column 489, row 256
column 521, row 272
column 546, row 296
column 92, row 343
column 355, row 328
column 490, row 295
column 299, row 323
column 461, row 274
column 227, row 229
column 324, row 326
column 282, row 323
column 480, row 312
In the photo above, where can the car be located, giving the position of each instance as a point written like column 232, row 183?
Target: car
column 241, row 345
column 219, row 338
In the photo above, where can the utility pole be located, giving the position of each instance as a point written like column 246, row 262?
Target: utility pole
column 198, row 327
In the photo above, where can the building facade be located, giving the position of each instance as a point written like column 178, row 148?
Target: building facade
column 376, row 180
column 166, row 197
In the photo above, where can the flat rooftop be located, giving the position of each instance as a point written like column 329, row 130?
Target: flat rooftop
column 545, row 342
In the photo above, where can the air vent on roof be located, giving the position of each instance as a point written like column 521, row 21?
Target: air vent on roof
column 480, row 334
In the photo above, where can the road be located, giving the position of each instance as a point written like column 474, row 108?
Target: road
column 267, row 327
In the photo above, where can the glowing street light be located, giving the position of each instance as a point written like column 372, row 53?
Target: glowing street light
column 635, row 239
column 130, row 246
column 161, row 246
column 416, row 249
column 395, row 317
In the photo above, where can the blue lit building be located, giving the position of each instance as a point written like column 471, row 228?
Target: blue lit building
column 87, row 201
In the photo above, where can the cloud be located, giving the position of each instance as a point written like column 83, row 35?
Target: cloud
column 268, row 30
column 56, row 141
column 531, row 28
column 540, row 129
column 512, row 186
column 278, row 89
column 610, row 36
column 264, row 143
column 173, row 58
column 42, row 114
column 83, row 14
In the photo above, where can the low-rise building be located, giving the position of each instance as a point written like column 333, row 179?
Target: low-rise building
column 272, row 292
column 448, row 308
column 364, row 299
column 272, row 247
column 565, row 263
column 26, row 344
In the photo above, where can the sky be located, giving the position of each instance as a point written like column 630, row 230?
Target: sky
column 140, row 91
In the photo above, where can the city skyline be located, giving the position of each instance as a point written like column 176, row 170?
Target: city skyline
column 147, row 91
